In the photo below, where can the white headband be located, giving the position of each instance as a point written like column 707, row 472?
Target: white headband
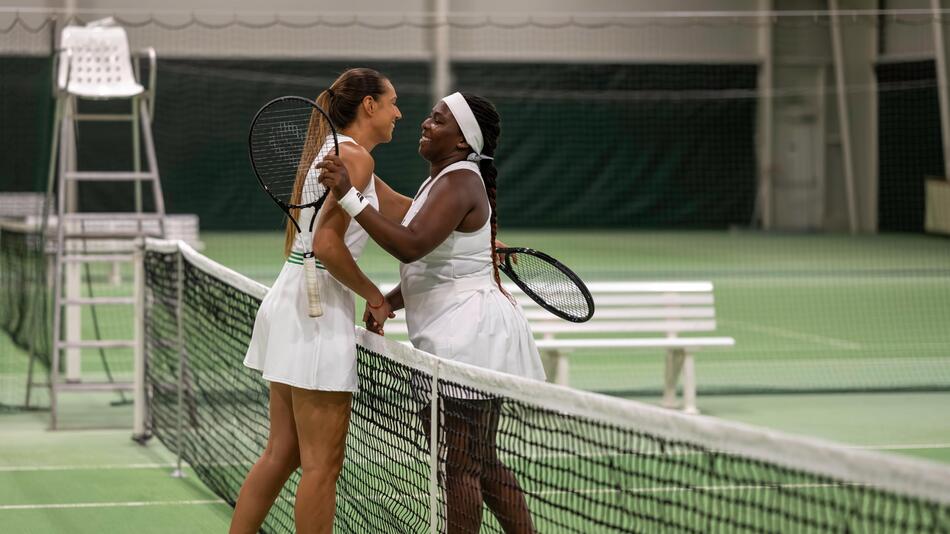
column 471, row 131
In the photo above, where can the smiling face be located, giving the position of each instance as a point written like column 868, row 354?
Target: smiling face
column 441, row 135
column 386, row 113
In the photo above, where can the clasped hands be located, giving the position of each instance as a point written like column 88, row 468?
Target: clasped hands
column 375, row 316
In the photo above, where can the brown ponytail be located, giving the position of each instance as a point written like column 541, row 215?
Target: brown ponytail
column 341, row 102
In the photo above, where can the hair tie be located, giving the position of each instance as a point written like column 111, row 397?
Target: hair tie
column 330, row 93
column 477, row 157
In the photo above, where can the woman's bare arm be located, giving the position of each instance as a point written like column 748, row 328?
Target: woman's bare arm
column 392, row 205
column 328, row 244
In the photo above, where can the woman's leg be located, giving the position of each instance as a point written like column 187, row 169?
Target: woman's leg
column 500, row 488
column 463, row 493
column 322, row 420
column 279, row 460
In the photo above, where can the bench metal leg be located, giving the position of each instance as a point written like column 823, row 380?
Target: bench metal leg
column 674, row 363
column 689, row 385
column 555, row 366
column 561, row 372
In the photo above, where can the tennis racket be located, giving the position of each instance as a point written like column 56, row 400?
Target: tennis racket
column 548, row 282
column 288, row 136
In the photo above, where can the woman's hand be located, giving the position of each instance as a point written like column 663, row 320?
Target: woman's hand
column 334, row 175
column 375, row 316
column 500, row 257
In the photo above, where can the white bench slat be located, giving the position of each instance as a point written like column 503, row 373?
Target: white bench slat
column 602, row 301
column 650, row 287
column 564, row 327
column 540, row 314
column 603, row 288
column 19, row 205
column 664, row 343
column 559, row 326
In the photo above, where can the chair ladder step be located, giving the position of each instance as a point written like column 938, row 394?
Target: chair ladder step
column 94, row 386
column 97, row 344
column 115, row 216
column 110, row 176
column 97, row 300
column 93, row 258
column 109, row 236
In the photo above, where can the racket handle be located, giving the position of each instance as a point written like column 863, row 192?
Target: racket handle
column 314, row 309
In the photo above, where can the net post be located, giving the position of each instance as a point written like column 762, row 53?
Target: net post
column 434, row 452
column 180, row 341
column 138, row 335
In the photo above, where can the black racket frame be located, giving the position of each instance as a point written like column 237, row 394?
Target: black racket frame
column 506, row 267
column 284, row 206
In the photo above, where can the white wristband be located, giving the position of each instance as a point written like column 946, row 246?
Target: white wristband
column 353, row 202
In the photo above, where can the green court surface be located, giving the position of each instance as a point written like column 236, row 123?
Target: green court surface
column 842, row 338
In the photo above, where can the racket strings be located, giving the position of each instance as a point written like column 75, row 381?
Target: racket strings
column 286, row 141
column 557, row 288
column 312, row 189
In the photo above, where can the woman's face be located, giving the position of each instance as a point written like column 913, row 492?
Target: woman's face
column 440, row 134
column 387, row 113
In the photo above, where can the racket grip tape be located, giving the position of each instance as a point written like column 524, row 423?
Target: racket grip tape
column 314, row 309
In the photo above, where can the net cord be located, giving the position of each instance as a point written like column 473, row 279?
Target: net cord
column 919, row 478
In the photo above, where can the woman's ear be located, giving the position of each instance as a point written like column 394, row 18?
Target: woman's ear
column 369, row 105
column 462, row 145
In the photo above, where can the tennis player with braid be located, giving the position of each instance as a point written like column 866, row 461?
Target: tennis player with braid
column 455, row 305
column 311, row 362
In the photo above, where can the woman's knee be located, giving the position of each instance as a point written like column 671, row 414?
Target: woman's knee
column 329, row 459
column 284, row 456
column 462, row 473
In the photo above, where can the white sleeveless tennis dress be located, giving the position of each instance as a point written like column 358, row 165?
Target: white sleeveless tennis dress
column 454, row 308
column 289, row 346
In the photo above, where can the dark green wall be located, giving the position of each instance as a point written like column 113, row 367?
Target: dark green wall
column 26, row 113
column 621, row 146
column 601, row 146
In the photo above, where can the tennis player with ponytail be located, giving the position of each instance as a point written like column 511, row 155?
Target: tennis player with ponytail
column 310, row 362
column 455, row 305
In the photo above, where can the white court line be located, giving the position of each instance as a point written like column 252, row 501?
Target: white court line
column 792, row 334
column 133, row 504
column 908, row 446
column 11, row 468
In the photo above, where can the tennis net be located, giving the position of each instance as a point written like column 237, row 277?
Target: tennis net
column 571, row 461
column 24, row 317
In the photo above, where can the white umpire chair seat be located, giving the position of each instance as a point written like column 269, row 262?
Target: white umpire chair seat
column 98, row 63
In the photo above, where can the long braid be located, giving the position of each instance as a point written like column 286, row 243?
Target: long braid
column 489, row 174
column 490, row 124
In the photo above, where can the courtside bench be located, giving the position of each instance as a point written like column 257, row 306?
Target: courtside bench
column 676, row 316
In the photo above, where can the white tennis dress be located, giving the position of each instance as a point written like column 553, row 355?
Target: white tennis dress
column 289, row 346
column 454, row 308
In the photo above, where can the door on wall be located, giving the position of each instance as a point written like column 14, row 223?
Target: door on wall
column 799, row 189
